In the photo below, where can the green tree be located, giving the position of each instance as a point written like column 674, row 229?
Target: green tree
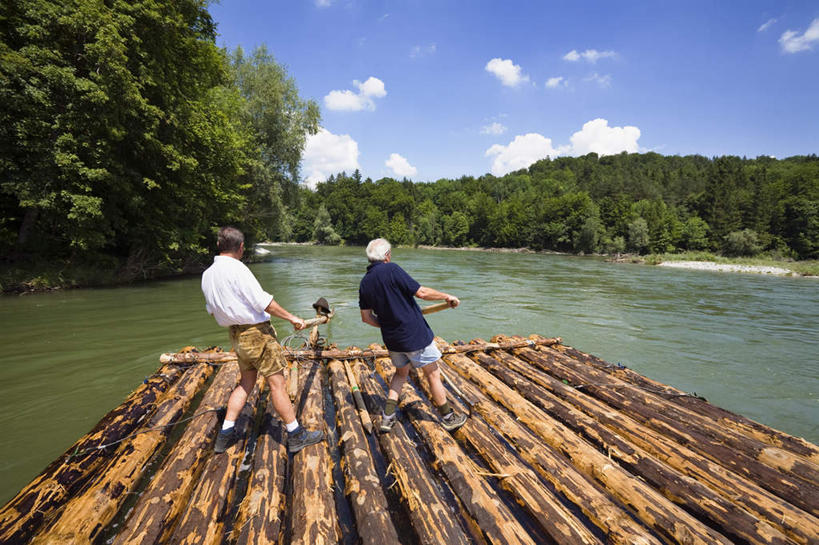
column 638, row 236
column 742, row 243
column 323, row 231
column 694, row 234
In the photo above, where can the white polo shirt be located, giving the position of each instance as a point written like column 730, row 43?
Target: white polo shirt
column 232, row 293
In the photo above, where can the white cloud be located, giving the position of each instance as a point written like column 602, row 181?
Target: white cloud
column 423, row 50
column 596, row 136
column 326, row 153
column 602, row 81
column 520, row 153
column 590, row 55
column 494, row 129
column 347, row 100
column 554, row 83
column 400, row 166
column 793, row 42
column 323, row 3
column 766, row 25
column 508, row 72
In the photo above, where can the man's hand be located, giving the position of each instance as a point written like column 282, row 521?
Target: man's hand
column 452, row 300
column 297, row 322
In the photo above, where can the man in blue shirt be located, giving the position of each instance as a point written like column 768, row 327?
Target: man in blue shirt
column 386, row 297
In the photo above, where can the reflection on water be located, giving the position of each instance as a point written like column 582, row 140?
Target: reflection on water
column 746, row 342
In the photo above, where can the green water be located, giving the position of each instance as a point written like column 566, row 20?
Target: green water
column 746, row 342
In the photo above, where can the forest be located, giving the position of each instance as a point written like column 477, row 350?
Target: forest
column 127, row 137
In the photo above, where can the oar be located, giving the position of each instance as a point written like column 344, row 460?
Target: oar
column 435, row 308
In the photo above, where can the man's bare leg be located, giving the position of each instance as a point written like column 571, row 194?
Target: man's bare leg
column 238, row 397
column 279, row 397
column 433, row 374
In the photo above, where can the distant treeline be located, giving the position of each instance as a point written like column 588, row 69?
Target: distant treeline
column 629, row 202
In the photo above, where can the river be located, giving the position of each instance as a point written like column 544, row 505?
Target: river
column 748, row 343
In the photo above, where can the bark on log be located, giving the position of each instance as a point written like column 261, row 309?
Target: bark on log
column 313, row 520
column 691, row 494
column 653, row 509
column 203, row 522
column 620, row 528
column 684, row 427
column 153, row 518
column 363, row 415
column 363, row 487
column 350, row 353
column 432, row 516
column 494, row 518
column 516, row 477
column 293, row 379
column 68, row 475
column 792, row 521
column 739, row 423
column 86, row 515
column 261, row 513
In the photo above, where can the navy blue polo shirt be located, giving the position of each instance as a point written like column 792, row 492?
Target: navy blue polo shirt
column 389, row 292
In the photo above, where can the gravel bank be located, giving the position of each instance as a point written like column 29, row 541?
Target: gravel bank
column 726, row 267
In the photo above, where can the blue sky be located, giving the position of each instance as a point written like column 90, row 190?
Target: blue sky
column 440, row 89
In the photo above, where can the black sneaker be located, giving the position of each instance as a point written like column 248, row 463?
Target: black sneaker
column 387, row 422
column 302, row 437
column 453, row 421
column 224, row 439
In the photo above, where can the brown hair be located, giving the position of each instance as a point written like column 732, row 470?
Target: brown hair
column 229, row 240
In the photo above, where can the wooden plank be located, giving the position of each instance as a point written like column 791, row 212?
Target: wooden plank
column 653, row 509
column 363, row 487
column 154, row 516
column 68, row 475
column 683, row 426
column 313, row 509
column 86, row 515
column 764, row 505
column 205, row 517
column 494, row 518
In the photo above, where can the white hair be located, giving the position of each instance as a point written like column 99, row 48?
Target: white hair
column 378, row 249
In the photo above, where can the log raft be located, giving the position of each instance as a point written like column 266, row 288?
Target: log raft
column 562, row 447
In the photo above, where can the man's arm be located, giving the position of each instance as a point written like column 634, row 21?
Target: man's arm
column 368, row 317
column 275, row 309
column 429, row 294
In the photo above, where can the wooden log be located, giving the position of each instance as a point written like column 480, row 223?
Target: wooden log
column 683, row 426
column 153, row 517
column 261, row 512
column 516, row 477
column 203, row 522
column 363, row 487
column 762, row 504
column 363, row 415
column 68, row 475
column 653, row 509
column 738, row 423
column 691, row 494
column 313, row 509
column 618, row 526
column 86, row 515
column 494, row 518
column 433, row 517
column 352, row 353
column 293, row 379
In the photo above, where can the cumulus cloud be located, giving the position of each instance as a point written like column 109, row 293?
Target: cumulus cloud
column 793, row 42
column 766, row 25
column 348, row 100
column 520, row 153
column 423, row 50
column 506, row 71
column 326, row 153
column 590, row 55
column 494, row 129
column 602, row 81
column 554, row 83
column 400, row 166
column 595, row 136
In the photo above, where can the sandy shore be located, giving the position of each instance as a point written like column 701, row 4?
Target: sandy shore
column 726, row 267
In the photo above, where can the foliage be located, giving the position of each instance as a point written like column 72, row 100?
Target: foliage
column 741, row 243
column 323, row 231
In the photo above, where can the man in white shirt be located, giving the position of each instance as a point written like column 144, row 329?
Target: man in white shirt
column 234, row 297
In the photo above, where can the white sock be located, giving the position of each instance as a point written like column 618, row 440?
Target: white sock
column 292, row 426
column 227, row 424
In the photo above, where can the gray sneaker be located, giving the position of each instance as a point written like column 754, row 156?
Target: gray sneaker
column 224, row 439
column 302, row 437
column 387, row 422
column 453, row 421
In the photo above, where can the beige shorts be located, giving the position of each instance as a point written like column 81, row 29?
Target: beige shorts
column 257, row 348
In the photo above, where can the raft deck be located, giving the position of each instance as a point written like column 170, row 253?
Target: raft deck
column 561, row 447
